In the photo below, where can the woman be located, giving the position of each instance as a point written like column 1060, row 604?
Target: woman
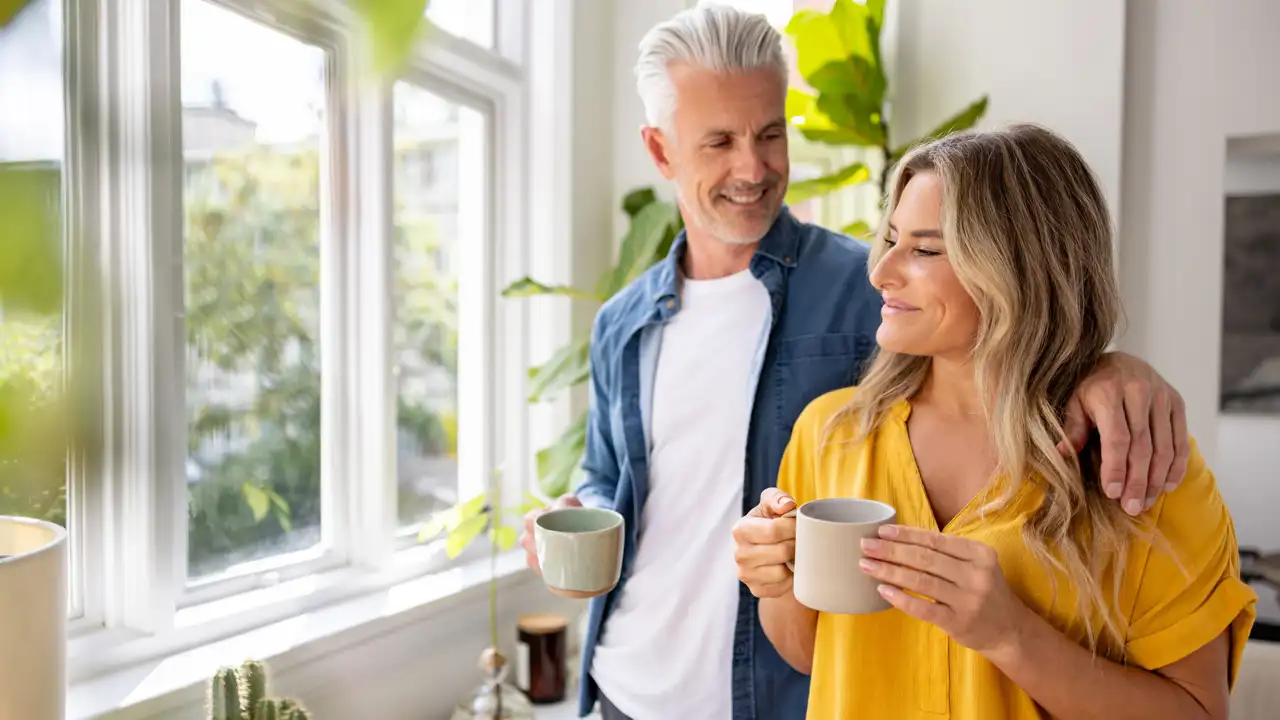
column 1017, row 587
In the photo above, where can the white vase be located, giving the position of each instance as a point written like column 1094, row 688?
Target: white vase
column 33, row 619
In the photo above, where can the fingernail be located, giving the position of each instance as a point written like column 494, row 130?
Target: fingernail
column 887, row 591
column 1114, row 490
column 1133, row 506
column 1151, row 502
column 888, row 531
column 868, row 565
column 871, row 544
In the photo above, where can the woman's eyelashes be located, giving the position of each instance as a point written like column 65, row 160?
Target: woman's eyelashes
column 918, row 250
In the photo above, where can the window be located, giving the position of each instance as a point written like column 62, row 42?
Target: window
column 430, row 140
column 33, row 357
column 31, row 154
column 304, row 351
column 253, row 125
column 469, row 19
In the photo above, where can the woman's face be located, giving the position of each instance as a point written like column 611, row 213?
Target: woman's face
column 926, row 311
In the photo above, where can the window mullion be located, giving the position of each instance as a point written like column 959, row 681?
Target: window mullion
column 85, row 316
column 371, row 494
column 508, row 173
column 143, row 230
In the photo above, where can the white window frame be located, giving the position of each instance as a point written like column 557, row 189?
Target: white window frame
column 126, row 198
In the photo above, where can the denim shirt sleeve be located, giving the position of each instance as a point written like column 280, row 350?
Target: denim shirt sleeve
column 599, row 463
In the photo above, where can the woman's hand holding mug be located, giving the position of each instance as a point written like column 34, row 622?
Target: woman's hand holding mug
column 764, row 542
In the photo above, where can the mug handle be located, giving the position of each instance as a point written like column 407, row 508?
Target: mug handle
column 791, row 564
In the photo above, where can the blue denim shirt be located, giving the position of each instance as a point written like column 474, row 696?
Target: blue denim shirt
column 821, row 331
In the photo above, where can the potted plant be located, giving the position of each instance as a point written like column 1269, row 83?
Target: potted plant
column 242, row 694
column 838, row 55
column 654, row 224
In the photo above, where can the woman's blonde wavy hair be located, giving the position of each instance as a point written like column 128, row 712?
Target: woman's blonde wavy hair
column 1027, row 231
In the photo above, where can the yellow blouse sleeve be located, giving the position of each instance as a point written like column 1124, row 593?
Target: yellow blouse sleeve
column 1190, row 589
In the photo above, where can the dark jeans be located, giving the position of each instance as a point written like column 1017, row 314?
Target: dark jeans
column 608, row 711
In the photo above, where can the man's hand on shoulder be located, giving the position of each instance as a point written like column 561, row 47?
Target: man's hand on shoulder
column 526, row 535
column 1142, row 425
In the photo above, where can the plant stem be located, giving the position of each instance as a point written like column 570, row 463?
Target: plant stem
column 888, row 156
column 493, row 592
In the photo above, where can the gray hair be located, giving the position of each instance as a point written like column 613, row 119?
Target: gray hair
column 715, row 37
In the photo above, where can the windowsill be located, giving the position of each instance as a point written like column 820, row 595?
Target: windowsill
column 148, row 687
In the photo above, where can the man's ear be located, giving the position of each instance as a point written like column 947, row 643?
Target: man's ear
column 659, row 147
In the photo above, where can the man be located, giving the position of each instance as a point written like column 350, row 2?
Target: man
column 700, row 367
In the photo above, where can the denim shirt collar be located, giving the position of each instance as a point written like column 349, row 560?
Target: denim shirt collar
column 780, row 245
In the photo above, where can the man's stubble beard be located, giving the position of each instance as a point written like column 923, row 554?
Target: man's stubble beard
column 718, row 230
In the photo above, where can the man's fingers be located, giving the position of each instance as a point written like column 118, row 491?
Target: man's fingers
column 1181, row 442
column 1108, row 415
column 1075, row 427
column 1162, row 451
column 1137, row 410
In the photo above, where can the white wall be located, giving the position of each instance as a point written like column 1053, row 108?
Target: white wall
column 1029, row 57
column 632, row 167
column 1180, row 109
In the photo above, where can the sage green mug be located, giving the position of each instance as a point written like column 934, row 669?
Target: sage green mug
column 579, row 550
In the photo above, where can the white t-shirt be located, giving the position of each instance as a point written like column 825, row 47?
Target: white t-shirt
column 666, row 650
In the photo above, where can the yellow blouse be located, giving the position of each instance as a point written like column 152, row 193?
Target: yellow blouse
column 890, row 665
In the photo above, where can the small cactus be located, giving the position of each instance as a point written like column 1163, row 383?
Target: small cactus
column 286, row 709
column 241, row 694
column 267, row 710
column 253, row 685
column 224, row 696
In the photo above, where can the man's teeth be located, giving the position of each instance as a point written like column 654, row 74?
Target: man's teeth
column 746, row 199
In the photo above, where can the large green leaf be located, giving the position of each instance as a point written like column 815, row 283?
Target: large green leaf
column 854, row 174
column 637, row 200
column 559, row 462
column 9, row 9
column 30, row 240
column 257, row 499
column 504, row 537
column 528, row 287
column 875, row 10
column 462, row 536
column 531, row 502
column 875, row 23
column 851, row 113
column 650, row 228
column 859, row 229
column 393, row 27
column 568, row 367
column 280, row 508
column 959, row 122
column 472, row 508
column 803, row 113
column 838, row 51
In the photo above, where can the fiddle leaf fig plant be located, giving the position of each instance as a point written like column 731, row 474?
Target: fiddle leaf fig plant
column 839, row 57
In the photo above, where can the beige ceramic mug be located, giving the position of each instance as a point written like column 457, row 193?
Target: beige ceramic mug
column 829, row 536
column 579, row 550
